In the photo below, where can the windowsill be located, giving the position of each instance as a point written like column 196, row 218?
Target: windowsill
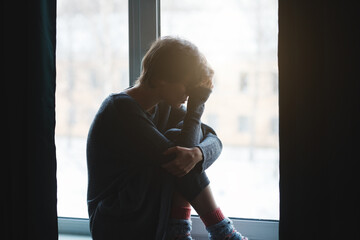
column 78, row 228
column 73, row 237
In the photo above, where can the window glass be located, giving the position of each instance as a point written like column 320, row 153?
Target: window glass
column 275, row 83
column 274, row 125
column 212, row 119
column 244, row 124
column 243, row 82
column 92, row 62
column 237, row 37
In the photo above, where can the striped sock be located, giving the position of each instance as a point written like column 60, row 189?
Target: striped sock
column 224, row 230
column 212, row 217
column 179, row 229
column 179, row 226
column 180, row 213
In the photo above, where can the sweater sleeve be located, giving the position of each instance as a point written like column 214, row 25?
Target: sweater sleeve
column 190, row 135
column 141, row 133
column 147, row 139
column 210, row 145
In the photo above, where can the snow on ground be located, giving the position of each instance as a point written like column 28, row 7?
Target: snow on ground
column 245, row 182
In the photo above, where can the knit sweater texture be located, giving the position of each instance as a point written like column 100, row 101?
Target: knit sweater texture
column 129, row 194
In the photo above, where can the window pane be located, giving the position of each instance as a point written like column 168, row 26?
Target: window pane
column 244, row 124
column 92, row 62
column 239, row 39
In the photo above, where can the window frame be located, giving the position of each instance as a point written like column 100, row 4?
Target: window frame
column 144, row 28
column 251, row 228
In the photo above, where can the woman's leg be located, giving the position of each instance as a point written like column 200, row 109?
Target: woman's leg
column 179, row 201
column 218, row 226
column 204, row 202
column 179, row 226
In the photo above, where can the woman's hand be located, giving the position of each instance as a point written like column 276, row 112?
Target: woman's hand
column 186, row 159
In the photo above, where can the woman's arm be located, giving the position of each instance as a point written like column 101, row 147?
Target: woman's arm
column 210, row 145
column 142, row 135
column 191, row 132
column 146, row 138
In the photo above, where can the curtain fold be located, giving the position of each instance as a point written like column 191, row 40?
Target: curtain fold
column 319, row 107
column 29, row 41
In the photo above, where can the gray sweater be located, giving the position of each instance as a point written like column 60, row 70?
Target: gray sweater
column 129, row 194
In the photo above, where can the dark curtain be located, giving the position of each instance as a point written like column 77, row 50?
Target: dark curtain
column 319, row 89
column 28, row 87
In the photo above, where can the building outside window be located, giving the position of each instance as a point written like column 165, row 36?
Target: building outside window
column 93, row 62
column 274, row 125
column 243, row 124
column 237, row 36
column 275, row 83
column 213, row 120
column 244, row 82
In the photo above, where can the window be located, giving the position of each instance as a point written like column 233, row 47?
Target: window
column 212, row 120
column 274, row 125
column 274, row 83
column 92, row 62
column 243, row 124
column 244, row 82
column 237, row 36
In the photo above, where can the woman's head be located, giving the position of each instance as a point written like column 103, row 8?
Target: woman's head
column 174, row 60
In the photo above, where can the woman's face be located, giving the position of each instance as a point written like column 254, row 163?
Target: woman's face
column 173, row 93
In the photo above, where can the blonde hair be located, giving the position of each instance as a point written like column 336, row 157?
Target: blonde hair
column 172, row 59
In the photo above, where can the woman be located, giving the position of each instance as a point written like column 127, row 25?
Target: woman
column 147, row 153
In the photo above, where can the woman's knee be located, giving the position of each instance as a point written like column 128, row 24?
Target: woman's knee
column 179, row 201
column 191, row 184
